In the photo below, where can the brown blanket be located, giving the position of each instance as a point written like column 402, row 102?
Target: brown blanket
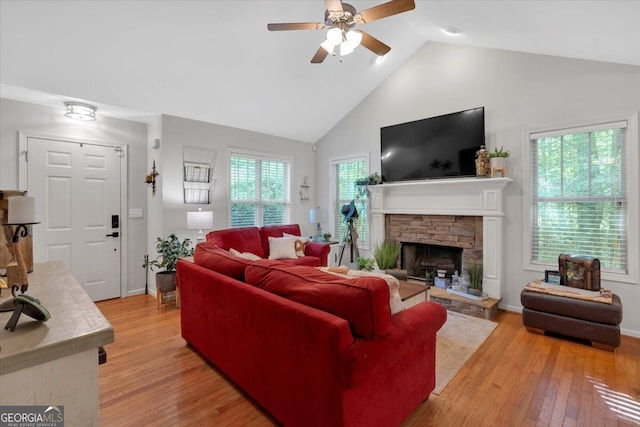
column 539, row 286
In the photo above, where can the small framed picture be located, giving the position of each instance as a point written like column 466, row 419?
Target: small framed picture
column 552, row 276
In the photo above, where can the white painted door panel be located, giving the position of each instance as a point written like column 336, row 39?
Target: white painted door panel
column 77, row 190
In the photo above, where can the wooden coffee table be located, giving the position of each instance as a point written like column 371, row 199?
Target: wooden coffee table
column 412, row 293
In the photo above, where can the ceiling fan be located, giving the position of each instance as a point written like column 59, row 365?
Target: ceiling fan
column 341, row 18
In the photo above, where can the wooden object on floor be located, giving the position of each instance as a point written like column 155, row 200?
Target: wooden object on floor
column 487, row 309
column 165, row 297
column 515, row 378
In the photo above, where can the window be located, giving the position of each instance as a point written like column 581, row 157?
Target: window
column 579, row 195
column 259, row 190
column 345, row 172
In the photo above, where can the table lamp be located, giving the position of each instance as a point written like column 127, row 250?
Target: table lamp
column 200, row 220
column 316, row 216
column 22, row 213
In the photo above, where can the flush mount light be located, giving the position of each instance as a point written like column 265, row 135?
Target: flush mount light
column 80, row 111
column 452, row 31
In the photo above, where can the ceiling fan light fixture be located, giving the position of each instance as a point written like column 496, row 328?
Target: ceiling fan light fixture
column 328, row 46
column 334, row 36
column 345, row 49
column 354, row 38
column 80, row 111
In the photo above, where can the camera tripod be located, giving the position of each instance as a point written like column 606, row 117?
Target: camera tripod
column 350, row 238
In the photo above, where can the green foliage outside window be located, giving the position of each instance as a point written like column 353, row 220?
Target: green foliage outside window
column 258, row 191
column 579, row 197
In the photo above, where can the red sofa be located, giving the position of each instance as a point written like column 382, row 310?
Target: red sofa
column 256, row 241
column 311, row 348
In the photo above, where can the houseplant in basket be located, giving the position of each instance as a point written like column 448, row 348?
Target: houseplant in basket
column 169, row 250
column 497, row 158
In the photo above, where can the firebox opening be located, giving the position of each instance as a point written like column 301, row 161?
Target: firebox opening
column 419, row 259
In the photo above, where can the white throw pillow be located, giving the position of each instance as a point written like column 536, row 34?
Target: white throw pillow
column 246, row 255
column 300, row 243
column 282, row 247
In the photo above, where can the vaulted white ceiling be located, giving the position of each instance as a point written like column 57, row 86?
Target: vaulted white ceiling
column 215, row 61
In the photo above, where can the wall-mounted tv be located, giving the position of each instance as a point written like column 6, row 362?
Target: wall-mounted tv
column 437, row 147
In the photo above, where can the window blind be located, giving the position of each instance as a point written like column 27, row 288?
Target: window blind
column 259, row 190
column 579, row 194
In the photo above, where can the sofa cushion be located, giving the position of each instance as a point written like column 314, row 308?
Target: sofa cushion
column 217, row 259
column 363, row 302
column 276, row 231
column 242, row 239
column 246, row 255
column 282, row 247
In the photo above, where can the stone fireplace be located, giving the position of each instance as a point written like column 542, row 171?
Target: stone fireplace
column 432, row 242
column 463, row 213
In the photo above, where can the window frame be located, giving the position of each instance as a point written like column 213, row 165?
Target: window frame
column 362, row 245
column 632, row 178
column 262, row 156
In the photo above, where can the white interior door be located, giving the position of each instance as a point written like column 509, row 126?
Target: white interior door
column 77, row 192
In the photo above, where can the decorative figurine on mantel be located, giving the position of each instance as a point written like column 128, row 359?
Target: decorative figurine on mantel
column 482, row 163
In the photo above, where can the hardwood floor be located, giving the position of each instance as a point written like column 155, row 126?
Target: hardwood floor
column 516, row 378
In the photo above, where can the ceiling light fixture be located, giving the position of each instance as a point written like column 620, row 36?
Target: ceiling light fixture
column 80, row 111
column 452, row 31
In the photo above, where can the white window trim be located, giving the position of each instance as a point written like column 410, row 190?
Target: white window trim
column 231, row 151
column 633, row 191
column 332, row 195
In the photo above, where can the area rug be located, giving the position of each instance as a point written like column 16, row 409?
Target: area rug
column 457, row 340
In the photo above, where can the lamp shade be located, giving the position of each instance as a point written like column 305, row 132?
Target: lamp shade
column 200, row 220
column 318, row 215
column 22, row 210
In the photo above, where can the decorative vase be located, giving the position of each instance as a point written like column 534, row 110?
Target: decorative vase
column 482, row 163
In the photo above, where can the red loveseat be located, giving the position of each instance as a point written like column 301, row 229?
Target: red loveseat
column 256, row 241
column 311, row 348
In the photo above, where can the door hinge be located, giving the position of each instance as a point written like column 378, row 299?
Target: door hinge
column 119, row 151
column 26, row 155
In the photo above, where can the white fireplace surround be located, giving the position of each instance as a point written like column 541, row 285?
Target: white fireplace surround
column 460, row 196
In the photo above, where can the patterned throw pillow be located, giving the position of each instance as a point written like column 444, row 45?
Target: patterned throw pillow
column 301, row 242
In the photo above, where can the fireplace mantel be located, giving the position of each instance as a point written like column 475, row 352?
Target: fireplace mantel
column 460, row 196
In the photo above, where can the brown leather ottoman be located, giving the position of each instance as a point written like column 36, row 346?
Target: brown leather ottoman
column 588, row 320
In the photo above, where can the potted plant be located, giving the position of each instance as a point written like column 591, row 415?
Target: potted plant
column 169, row 250
column 474, row 270
column 386, row 255
column 365, row 264
column 496, row 158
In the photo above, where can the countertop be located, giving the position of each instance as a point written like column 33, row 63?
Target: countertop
column 76, row 323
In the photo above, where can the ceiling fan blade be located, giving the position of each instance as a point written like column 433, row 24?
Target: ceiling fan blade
column 333, row 5
column 373, row 44
column 382, row 11
column 296, row 26
column 320, row 55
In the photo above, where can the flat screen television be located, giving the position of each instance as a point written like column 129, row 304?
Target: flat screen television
column 437, row 147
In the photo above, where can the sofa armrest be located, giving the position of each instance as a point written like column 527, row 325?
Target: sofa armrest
column 319, row 250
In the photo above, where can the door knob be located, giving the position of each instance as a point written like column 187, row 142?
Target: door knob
column 114, row 234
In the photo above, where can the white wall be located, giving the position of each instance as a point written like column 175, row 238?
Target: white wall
column 30, row 118
column 519, row 92
column 175, row 133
